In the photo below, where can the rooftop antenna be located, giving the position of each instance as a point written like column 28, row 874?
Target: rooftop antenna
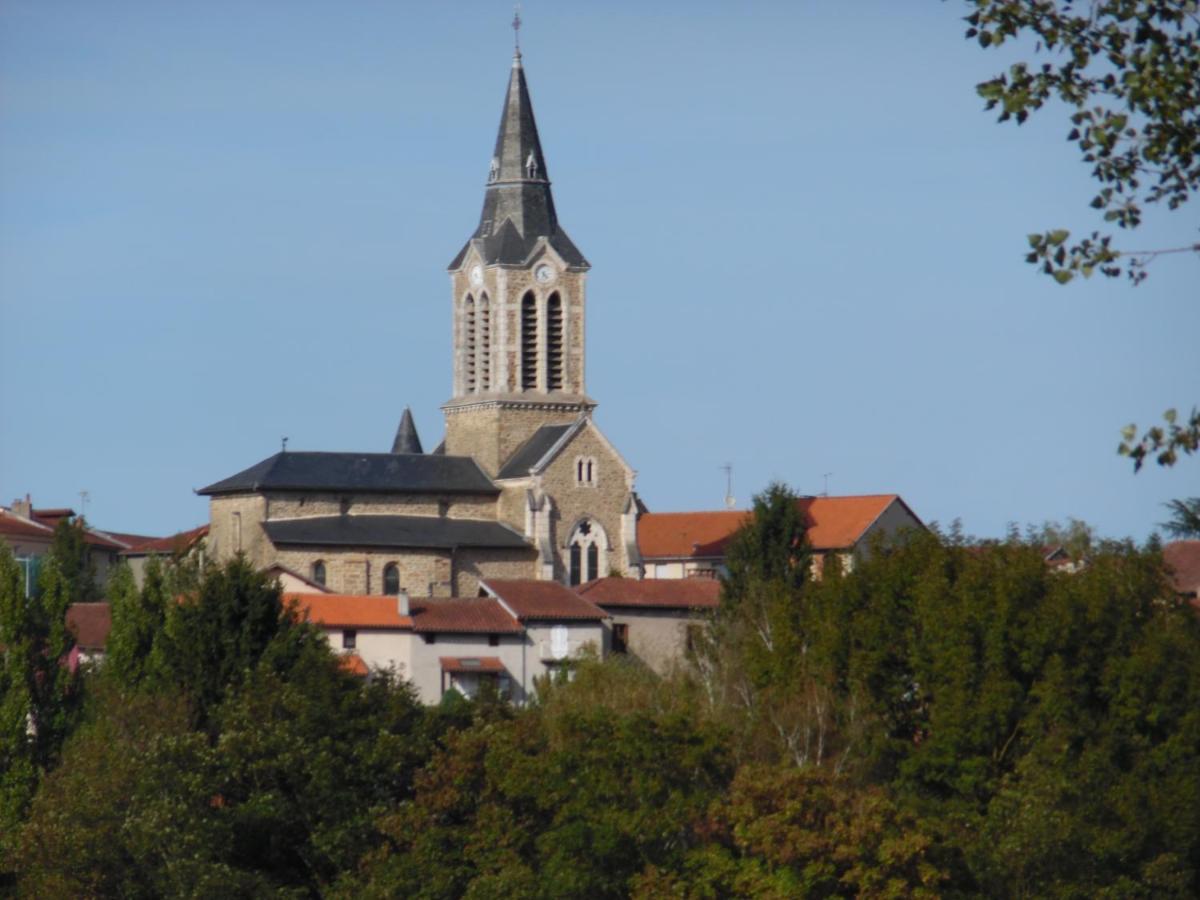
column 84, row 497
column 283, row 444
column 516, row 27
column 825, row 493
column 730, row 503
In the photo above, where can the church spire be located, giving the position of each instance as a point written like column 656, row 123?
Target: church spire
column 518, row 207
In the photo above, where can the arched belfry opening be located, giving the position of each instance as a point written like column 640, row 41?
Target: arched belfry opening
column 485, row 345
column 469, row 343
column 554, row 343
column 529, row 342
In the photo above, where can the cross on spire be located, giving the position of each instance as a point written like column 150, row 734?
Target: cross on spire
column 516, row 27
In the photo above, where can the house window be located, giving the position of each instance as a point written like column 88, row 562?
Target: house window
column 430, row 638
column 318, row 572
column 620, row 638
column 349, row 639
column 493, row 640
column 237, row 532
column 391, row 579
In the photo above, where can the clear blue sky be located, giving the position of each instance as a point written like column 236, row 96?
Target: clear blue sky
column 221, row 223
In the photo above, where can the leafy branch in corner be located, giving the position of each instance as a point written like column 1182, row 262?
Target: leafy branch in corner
column 1163, row 442
column 1130, row 69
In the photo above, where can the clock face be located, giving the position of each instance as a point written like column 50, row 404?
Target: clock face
column 544, row 274
column 476, row 276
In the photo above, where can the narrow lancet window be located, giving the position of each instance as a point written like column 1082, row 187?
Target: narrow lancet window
column 469, row 343
column 554, row 343
column 529, row 343
column 485, row 345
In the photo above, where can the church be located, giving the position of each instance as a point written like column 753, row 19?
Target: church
column 524, row 486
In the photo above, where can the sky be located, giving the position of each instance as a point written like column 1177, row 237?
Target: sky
column 225, row 223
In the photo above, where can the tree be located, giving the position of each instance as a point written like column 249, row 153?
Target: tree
column 70, row 548
column 770, row 547
column 1130, row 71
column 231, row 625
column 1185, row 518
column 136, row 651
column 39, row 692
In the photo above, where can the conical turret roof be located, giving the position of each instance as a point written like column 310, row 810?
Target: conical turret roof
column 407, row 440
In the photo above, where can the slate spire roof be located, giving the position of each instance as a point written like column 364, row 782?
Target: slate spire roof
column 518, row 207
column 406, row 435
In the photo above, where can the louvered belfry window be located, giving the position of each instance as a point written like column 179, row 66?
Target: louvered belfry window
column 469, row 342
column 529, row 343
column 554, row 343
column 485, row 344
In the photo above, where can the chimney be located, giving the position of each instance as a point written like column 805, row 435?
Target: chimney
column 402, row 603
column 23, row 508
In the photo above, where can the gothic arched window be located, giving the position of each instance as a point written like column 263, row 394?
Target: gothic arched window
column 529, row 342
column 391, row 579
column 469, row 341
column 554, row 343
column 318, row 572
column 485, row 344
column 585, row 562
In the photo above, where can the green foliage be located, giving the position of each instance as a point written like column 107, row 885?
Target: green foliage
column 573, row 798
column 233, row 624
column 136, row 652
column 783, row 832
column 1130, row 72
column 76, row 568
column 770, row 547
column 1185, row 518
column 282, row 800
column 39, row 692
column 1167, row 442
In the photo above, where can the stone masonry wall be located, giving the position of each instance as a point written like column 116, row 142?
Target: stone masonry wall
column 602, row 501
column 472, row 564
column 457, row 506
column 356, row 571
column 222, row 534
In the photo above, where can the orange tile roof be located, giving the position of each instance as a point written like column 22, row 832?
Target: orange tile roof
column 834, row 523
column 90, row 623
column 467, row 664
column 462, row 616
column 531, row 599
column 665, row 593
column 349, row 610
column 17, row 526
column 353, row 663
column 175, row 543
column 1183, row 559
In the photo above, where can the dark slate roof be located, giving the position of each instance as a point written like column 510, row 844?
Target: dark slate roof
column 393, row 531
column 407, row 440
column 518, row 207
column 529, row 453
column 359, row 472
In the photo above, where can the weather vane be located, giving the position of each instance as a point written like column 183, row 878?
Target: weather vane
column 516, row 26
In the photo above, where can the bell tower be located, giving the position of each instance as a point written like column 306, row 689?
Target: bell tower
column 518, row 293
